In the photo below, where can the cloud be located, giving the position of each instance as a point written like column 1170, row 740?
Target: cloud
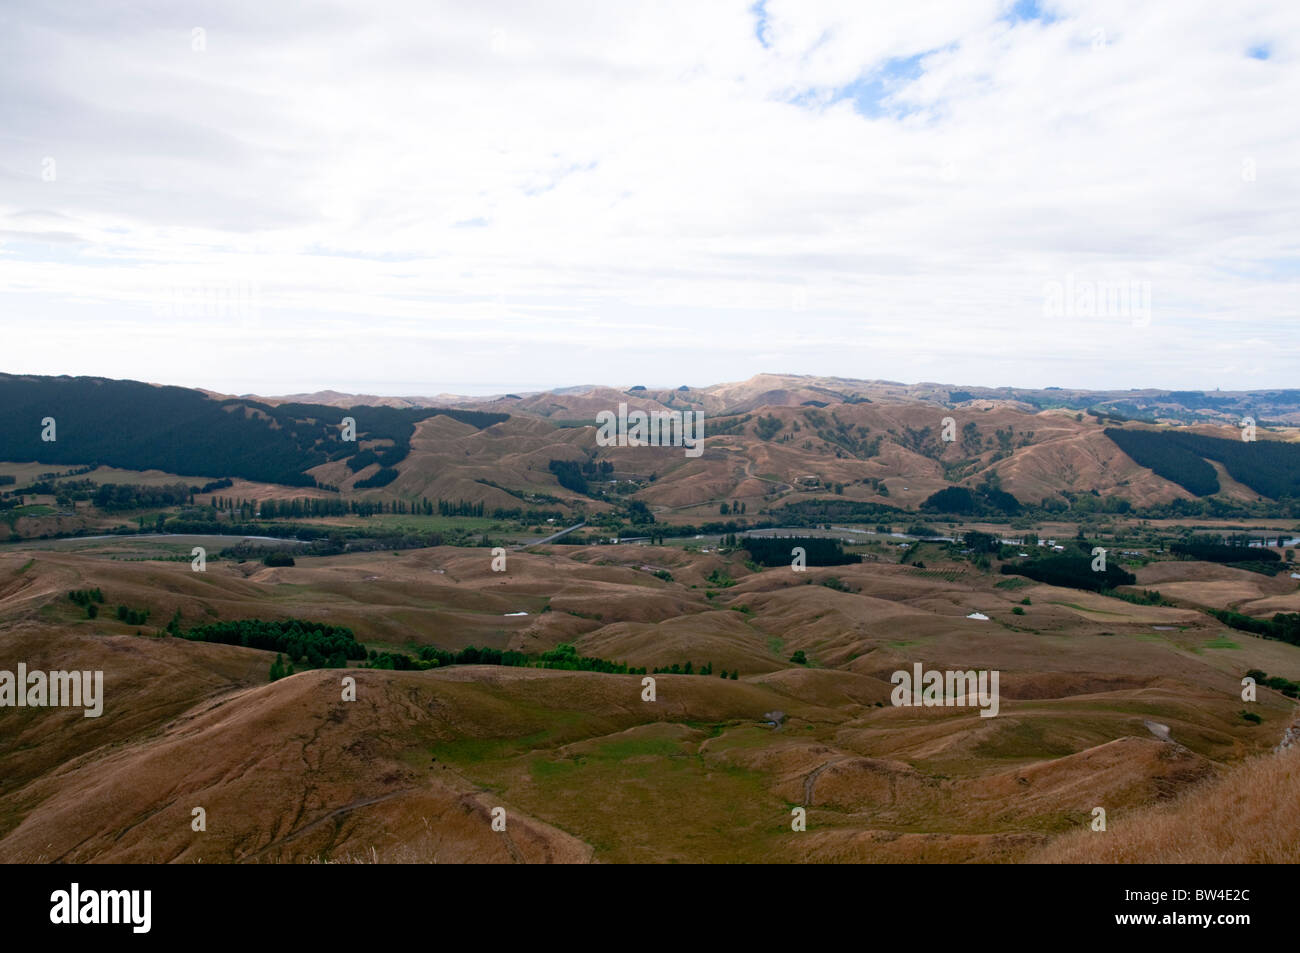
column 883, row 186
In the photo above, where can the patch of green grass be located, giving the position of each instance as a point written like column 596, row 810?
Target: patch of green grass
column 26, row 566
column 1023, row 739
column 479, row 750
column 1221, row 642
column 33, row 509
column 622, row 748
column 544, row 769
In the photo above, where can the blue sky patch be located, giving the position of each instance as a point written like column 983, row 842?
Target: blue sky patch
column 759, row 10
column 1023, row 10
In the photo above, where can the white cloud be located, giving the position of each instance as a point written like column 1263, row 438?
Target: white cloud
column 476, row 193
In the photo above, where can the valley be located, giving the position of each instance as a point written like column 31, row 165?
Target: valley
column 499, row 662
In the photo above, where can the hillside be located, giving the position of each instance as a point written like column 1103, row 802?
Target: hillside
column 412, row 770
column 769, row 442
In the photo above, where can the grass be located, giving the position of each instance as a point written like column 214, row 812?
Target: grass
column 1075, row 605
column 948, row 575
column 1221, row 642
column 669, row 795
column 33, row 509
column 1025, row 740
column 419, row 523
column 1245, row 817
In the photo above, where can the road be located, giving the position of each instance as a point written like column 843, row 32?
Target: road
column 553, row 536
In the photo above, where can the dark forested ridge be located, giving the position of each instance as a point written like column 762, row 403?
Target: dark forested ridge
column 139, row 426
column 1269, row 467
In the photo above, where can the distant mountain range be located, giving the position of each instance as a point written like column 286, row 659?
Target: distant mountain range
column 1280, row 406
column 772, row 439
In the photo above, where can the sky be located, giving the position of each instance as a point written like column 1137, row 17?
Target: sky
column 472, row 198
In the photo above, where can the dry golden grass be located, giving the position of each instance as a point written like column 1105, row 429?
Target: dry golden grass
column 1248, row 816
column 585, row 768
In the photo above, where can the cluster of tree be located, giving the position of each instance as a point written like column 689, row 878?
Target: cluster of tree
column 223, row 484
column 309, row 507
column 812, row 512
column 677, row 668
column 1284, row 685
column 133, row 496
column 767, row 427
column 205, row 527
column 1209, row 549
column 565, row 656
column 1167, row 458
column 277, row 558
column 459, row 508
column 1269, row 467
column 7, row 479
column 280, row 668
column 735, row 507
column 379, row 478
column 526, row 516
column 118, row 423
column 730, row 425
column 84, row 597
column 570, row 475
column 638, row 513
column 317, row 644
column 1071, row 571
column 978, row 542
column 398, row 661
column 983, row 500
column 1147, row 597
column 66, row 492
column 1284, row 626
column 433, row 657
column 775, row 550
column 359, row 461
column 132, row 616
column 305, row 507
column 88, row 599
column 853, row 440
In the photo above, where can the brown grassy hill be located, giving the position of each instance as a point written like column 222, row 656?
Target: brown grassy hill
column 1247, row 816
column 585, row 769
column 861, row 446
